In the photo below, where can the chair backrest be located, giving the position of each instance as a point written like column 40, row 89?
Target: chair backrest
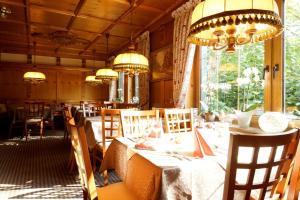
column 126, row 105
column 259, row 165
column 34, row 109
column 143, row 178
column 91, row 109
column 111, row 125
column 178, row 120
column 294, row 187
column 136, row 123
column 82, row 157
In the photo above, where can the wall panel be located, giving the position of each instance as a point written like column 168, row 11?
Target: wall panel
column 60, row 86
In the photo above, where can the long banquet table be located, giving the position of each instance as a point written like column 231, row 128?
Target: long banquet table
column 184, row 176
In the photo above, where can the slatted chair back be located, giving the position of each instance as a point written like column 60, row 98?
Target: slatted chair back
column 34, row 109
column 259, row 165
column 178, row 120
column 294, row 187
column 136, row 123
column 111, row 126
column 82, row 158
column 91, row 109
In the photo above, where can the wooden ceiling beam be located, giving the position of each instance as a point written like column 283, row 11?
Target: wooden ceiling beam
column 37, row 24
column 12, row 21
column 175, row 5
column 76, row 12
column 69, row 13
column 108, row 29
column 12, row 3
column 9, row 65
column 71, row 21
column 21, row 50
column 144, row 7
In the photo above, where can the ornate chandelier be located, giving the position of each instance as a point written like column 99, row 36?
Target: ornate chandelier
column 91, row 80
column 228, row 23
column 34, row 77
column 106, row 74
column 4, row 11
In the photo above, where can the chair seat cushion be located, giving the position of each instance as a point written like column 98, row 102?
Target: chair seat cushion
column 116, row 191
column 33, row 120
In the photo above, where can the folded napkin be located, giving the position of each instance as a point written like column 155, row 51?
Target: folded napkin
column 144, row 146
column 201, row 146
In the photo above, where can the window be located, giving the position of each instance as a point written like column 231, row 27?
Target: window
column 232, row 81
column 292, row 57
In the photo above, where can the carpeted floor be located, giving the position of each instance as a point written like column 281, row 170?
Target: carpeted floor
column 37, row 169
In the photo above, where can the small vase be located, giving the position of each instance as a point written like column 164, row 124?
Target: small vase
column 244, row 118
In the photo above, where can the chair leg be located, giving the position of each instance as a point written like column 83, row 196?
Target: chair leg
column 94, row 159
column 25, row 131
column 41, row 130
column 71, row 162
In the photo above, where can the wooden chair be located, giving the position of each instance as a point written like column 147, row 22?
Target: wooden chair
column 126, row 105
column 90, row 109
column 17, row 120
column 111, row 128
column 294, row 187
column 135, row 123
column 129, row 189
column 67, row 115
column 72, row 161
column 34, row 116
column 266, row 166
column 178, row 120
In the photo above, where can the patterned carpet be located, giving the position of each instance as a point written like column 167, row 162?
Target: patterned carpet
column 37, row 169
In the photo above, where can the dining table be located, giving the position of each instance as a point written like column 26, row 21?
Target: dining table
column 190, row 169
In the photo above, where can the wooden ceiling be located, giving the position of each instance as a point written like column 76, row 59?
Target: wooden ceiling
column 84, row 22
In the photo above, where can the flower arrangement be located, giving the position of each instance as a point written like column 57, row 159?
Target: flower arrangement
column 251, row 85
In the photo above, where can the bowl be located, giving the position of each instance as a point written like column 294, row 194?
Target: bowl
column 273, row 122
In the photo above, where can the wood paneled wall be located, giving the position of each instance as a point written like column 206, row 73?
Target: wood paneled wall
column 60, row 86
column 161, row 91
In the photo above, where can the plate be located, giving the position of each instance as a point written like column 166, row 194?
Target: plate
column 273, row 122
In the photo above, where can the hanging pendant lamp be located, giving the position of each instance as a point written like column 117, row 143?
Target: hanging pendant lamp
column 131, row 62
column 227, row 23
column 91, row 80
column 106, row 74
column 34, row 77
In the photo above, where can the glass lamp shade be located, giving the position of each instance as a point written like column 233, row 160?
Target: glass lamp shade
column 34, row 77
column 92, row 80
column 227, row 23
column 131, row 62
column 106, row 74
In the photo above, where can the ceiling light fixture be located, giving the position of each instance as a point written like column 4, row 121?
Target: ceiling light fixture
column 227, row 23
column 91, row 80
column 131, row 62
column 106, row 74
column 34, row 77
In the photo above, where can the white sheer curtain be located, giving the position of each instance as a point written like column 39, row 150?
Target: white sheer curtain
column 143, row 47
column 183, row 52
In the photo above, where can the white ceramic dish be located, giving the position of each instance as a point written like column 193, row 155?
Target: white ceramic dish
column 273, row 122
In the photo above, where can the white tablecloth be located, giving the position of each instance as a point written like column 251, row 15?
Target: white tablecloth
column 183, row 177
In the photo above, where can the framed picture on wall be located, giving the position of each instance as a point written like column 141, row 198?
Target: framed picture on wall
column 162, row 63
